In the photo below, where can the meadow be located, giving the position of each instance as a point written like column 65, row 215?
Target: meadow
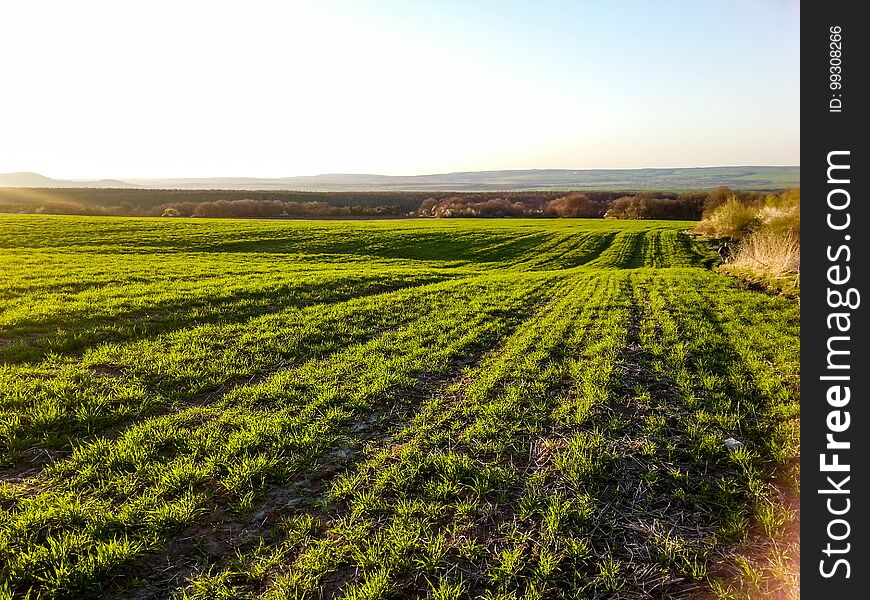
column 440, row 409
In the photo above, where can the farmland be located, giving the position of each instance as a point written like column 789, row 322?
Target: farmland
column 444, row 409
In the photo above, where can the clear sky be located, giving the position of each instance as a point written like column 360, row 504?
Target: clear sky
column 261, row 88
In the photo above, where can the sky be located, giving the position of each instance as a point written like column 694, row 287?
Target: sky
column 184, row 88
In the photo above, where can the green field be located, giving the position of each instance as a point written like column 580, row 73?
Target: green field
column 383, row 409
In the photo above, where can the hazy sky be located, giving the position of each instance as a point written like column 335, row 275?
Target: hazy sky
column 276, row 88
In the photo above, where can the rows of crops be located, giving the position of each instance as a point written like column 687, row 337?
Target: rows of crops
column 384, row 409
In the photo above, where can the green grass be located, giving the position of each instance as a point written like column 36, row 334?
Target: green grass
column 428, row 409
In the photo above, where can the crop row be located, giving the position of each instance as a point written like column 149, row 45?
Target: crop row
column 500, row 410
column 113, row 499
column 48, row 402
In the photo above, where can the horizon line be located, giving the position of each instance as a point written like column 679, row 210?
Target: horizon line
column 361, row 174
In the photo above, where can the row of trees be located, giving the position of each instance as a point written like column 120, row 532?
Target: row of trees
column 276, row 204
column 645, row 207
column 251, row 209
column 687, row 206
column 469, row 207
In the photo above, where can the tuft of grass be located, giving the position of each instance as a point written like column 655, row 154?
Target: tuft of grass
column 772, row 252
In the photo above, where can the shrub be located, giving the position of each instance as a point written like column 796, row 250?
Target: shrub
column 628, row 207
column 730, row 220
column 723, row 195
column 784, row 219
column 573, row 205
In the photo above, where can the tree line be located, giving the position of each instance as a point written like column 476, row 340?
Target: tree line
column 289, row 204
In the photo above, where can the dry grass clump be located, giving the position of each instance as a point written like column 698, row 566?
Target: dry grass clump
column 772, row 251
column 730, row 220
column 766, row 236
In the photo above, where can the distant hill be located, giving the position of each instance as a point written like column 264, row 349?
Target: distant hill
column 25, row 179
column 700, row 178
column 35, row 180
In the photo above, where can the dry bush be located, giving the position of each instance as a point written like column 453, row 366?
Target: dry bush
column 785, row 219
column 457, row 206
column 574, row 205
column 732, row 220
column 772, row 251
column 627, row 207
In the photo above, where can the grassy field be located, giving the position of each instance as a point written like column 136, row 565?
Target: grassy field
column 390, row 409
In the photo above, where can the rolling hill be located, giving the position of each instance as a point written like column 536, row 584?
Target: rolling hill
column 748, row 177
